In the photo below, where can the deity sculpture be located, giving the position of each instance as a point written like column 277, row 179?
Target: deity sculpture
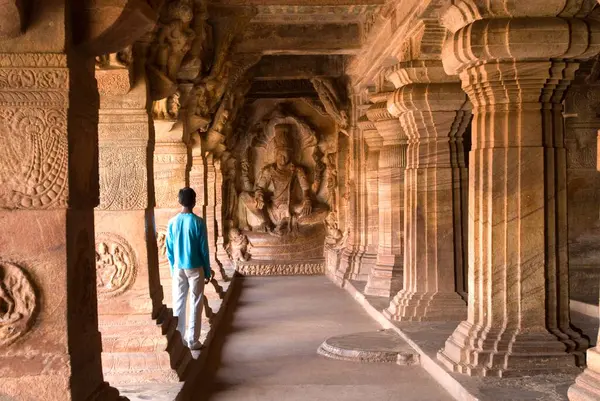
column 238, row 246
column 111, row 266
column 273, row 205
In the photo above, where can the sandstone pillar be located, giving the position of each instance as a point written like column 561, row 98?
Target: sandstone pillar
column 129, row 290
column 50, row 345
column 373, row 142
column 518, row 311
column 434, row 116
column 385, row 278
column 170, row 175
column 48, row 189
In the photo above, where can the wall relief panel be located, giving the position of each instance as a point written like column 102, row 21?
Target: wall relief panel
column 18, row 303
column 116, row 266
column 33, row 131
column 123, row 181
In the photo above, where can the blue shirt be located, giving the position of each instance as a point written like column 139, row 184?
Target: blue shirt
column 187, row 243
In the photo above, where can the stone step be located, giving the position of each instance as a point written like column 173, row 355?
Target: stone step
column 375, row 347
column 138, row 367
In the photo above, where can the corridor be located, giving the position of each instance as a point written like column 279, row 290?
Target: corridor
column 270, row 349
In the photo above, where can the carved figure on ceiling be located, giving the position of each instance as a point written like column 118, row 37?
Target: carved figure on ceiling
column 332, row 101
column 272, row 205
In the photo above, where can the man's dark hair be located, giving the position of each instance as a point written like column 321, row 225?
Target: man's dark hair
column 187, row 197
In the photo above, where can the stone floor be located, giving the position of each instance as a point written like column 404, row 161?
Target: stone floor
column 429, row 337
column 270, row 350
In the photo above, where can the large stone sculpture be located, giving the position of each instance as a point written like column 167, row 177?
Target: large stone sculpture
column 272, row 207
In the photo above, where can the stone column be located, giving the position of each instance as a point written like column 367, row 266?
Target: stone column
column 373, row 142
column 385, row 278
column 48, row 189
column 434, row 116
column 129, row 290
column 170, row 171
column 518, row 310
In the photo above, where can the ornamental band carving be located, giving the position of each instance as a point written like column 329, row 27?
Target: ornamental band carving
column 116, row 267
column 123, row 179
column 18, row 303
column 301, row 269
column 33, row 131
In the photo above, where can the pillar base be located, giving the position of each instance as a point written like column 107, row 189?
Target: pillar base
column 587, row 384
column 137, row 349
column 384, row 280
column 475, row 351
column 426, row 306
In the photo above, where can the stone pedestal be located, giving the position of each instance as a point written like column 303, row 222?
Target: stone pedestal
column 518, row 313
column 385, row 278
column 135, row 348
column 434, row 117
column 49, row 341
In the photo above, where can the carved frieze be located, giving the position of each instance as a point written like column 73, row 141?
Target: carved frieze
column 116, row 267
column 18, row 303
column 308, row 269
column 123, row 178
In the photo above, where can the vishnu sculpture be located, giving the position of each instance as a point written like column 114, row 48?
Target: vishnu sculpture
column 273, row 208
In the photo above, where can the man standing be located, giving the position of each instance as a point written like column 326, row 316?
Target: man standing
column 187, row 251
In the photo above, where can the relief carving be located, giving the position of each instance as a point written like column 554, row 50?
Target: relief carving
column 18, row 303
column 172, row 41
column 238, row 246
column 332, row 100
column 161, row 241
column 33, row 158
column 272, row 207
column 123, row 181
column 280, row 269
column 116, row 267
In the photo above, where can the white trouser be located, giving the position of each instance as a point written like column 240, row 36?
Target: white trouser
column 192, row 280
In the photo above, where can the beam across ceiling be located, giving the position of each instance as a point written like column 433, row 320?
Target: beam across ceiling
column 300, row 39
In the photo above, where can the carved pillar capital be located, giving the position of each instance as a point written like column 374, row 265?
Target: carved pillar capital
column 496, row 40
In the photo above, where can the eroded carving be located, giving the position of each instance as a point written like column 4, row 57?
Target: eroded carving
column 116, row 267
column 238, row 246
column 18, row 303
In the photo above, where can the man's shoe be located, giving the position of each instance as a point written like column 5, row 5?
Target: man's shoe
column 195, row 346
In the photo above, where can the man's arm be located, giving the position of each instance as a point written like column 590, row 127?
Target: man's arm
column 204, row 250
column 169, row 246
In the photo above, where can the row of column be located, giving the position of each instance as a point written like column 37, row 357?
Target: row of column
column 516, row 318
